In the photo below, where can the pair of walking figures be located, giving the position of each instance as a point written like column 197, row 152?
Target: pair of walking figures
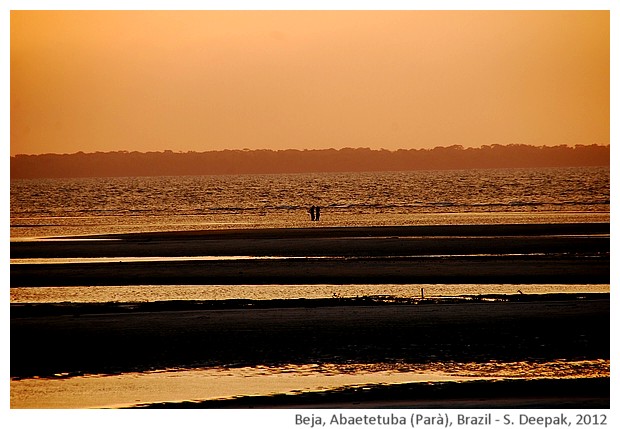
column 315, row 213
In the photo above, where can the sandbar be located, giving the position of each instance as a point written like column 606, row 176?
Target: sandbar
column 544, row 329
column 555, row 253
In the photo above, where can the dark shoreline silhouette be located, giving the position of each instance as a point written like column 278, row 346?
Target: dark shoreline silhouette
column 169, row 163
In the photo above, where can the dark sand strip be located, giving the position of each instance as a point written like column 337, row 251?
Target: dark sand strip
column 375, row 241
column 336, row 246
column 23, row 310
column 318, row 231
column 462, row 332
column 525, row 270
column 579, row 254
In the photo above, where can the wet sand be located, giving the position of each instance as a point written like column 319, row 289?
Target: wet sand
column 332, row 241
column 572, row 327
column 555, row 253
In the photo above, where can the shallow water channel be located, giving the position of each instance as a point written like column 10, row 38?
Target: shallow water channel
column 200, row 384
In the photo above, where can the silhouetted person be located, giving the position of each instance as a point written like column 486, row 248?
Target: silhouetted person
column 311, row 213
column 318, row 213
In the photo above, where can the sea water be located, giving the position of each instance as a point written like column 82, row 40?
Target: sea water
column 159, row 293
column 61, row 207
column 203, row 384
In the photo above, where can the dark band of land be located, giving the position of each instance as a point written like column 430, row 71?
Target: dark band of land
column 525, row 253
column 162, row 336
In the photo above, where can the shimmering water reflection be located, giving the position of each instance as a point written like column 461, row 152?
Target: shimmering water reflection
column 152, row 293
column 86, row 206
column 176, row 385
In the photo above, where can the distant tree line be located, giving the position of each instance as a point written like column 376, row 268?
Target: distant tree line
column 168, row 163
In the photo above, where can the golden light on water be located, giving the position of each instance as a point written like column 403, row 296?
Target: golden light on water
column 152, row 293
column 176, row 385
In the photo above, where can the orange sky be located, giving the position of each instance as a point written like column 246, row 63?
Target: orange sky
column 210, row 80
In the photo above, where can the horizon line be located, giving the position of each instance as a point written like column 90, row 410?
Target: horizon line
column 316, row 150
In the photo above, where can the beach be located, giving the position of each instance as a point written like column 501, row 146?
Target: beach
column 113, row 338
column 552, row 253
column 135, row 339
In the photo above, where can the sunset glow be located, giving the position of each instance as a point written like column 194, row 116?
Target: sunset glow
column 210, row 80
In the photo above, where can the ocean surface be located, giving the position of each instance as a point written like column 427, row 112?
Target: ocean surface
column 61, row 207
column 46, row 208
